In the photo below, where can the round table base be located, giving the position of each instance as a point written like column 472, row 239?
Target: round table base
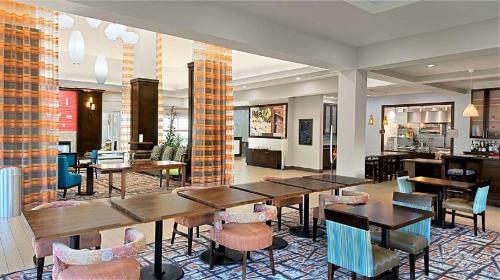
column 298, row 231
column 170, row 272
column 279, row 243
column 85, row 193
column 228, row 257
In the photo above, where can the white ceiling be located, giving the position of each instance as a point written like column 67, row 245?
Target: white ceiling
column 344, row 22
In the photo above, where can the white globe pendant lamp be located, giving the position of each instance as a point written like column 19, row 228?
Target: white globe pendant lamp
column 65, row 21
column 101, row 69
column 130, row 38
column 94, row 23
column 120, row 29
column 76, row 47
column 111, row 32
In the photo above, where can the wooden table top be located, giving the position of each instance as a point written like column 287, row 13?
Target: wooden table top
column 386, row 154
column 424, row 160
column 156, row 207
column 309, row 184
column 74, row 220
column 272, row 190
column 344, row 180
column 139, row 165
column 442, row 183
column 222, row 197
column 385, row 214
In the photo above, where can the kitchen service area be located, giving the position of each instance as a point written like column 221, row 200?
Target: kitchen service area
column 421, row 128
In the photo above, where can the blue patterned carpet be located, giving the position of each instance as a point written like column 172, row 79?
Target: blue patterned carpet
column 455, row 254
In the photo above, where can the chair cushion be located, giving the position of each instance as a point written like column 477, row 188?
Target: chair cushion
column 244, row 237
column 195, row 221
column 44, row 248
column 458, row 204
column 402, row 240
column 383, row 259
column 287, row 201
column 155, row 153
column 74, row 179
column 126, row 268
column 460, row 172
column 168, row 153
column 179, row 153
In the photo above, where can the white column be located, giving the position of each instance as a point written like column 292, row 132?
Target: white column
column 351, row 121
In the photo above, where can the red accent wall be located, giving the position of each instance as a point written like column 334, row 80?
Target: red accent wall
column 68, row 110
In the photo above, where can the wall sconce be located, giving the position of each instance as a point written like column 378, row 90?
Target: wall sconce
column 91, row 106
column 385, row 121
column 371, row 121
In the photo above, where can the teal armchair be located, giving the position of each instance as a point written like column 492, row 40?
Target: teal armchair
column 66, row 179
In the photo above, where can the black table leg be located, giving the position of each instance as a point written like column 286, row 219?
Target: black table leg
column 440, row 207
column 74, row 242
column 90, row 182
column 386, row 237
column 337, row 192
column 160, row 270
column 303, row 231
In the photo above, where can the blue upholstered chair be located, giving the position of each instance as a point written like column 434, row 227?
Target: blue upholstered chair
column 93, row 159
column 67, row 179
column 404, row 186
column 413, row 239
column 476, row 207
column 350, row 247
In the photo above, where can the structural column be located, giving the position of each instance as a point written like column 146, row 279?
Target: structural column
column 351, row 124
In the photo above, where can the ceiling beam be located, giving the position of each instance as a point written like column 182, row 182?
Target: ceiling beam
column 401, row 79
column 459, row 75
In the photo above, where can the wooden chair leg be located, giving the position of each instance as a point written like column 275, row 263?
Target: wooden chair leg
column 453, row 218
column 271, row 259
column 79, row 188
column 475, row 224
column 426, row 260
column 39, row 268
column 315, row 228
column 244, row 266
column 412, row 267
column 483, row 220
column 197, row 232
column 190, row 241
column 353, row 276
column 396, row 272
column 173, row 233
column 300, row 213
column 279, row 218
column 330, row 271
column 212, row 257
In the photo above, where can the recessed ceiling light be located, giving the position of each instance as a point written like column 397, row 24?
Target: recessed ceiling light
column 244, row 86
column 431, row 65
column 298, row 78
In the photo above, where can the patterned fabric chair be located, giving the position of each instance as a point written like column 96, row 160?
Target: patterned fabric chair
column 476, row 207
column 404, row 186
column 349, row 247
column 111, row 263
column 243, row 232
column 191, row 222
column 44, row 248
column 348, row 197
column 413, row 239
column 288, row 202
column 66, row 179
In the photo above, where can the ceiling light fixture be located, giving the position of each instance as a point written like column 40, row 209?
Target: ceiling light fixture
column 470, row 110
column 431, row 65
column 298, row 78
column 65, row 21
column 371, row 120
column 94, row 23
column 130, row 37
column 244, row 87
column 76, row 47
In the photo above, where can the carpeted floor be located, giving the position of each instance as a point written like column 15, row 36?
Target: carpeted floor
column 137, row 183
column 455, row 254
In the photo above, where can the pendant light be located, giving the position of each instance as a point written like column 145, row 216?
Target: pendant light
column 93, row 23
column 65, row 21
column 470, row 110
column 76, row 47
column 101, row 66
column 371, row 121
column 385, row 121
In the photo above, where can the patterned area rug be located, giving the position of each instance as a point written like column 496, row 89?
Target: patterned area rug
column 455, row 254
column 137, row 183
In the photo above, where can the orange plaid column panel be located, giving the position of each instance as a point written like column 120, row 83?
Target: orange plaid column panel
column 159, row 77
column 128, row 59
column 29, row 89
column 212, row 151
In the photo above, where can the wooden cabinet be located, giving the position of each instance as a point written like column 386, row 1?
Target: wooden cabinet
column 89, row 120
column 144, row 110
column 487, row 124
column 264, row 158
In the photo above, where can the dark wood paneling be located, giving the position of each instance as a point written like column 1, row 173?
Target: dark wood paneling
column 144, row 111
column 264, row 158
column 88, row 136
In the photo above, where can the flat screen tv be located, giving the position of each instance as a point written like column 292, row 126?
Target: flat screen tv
column 268, row 121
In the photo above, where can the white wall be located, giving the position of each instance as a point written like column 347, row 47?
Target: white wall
column 374, row 105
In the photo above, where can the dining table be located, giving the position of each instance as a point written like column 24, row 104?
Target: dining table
column 339, row 179
column 273, row 191
column 222, row 198
column 73, row 221
column 384, row 215
column 156, row 208
column 313, row 186
column 433, row 185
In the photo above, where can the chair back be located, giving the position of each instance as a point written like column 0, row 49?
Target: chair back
column 93, row 156
column 71, row 158
column 62, row 171
column 348, row 240
column 479, row 204
column 404, row 186
column 422, row 228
